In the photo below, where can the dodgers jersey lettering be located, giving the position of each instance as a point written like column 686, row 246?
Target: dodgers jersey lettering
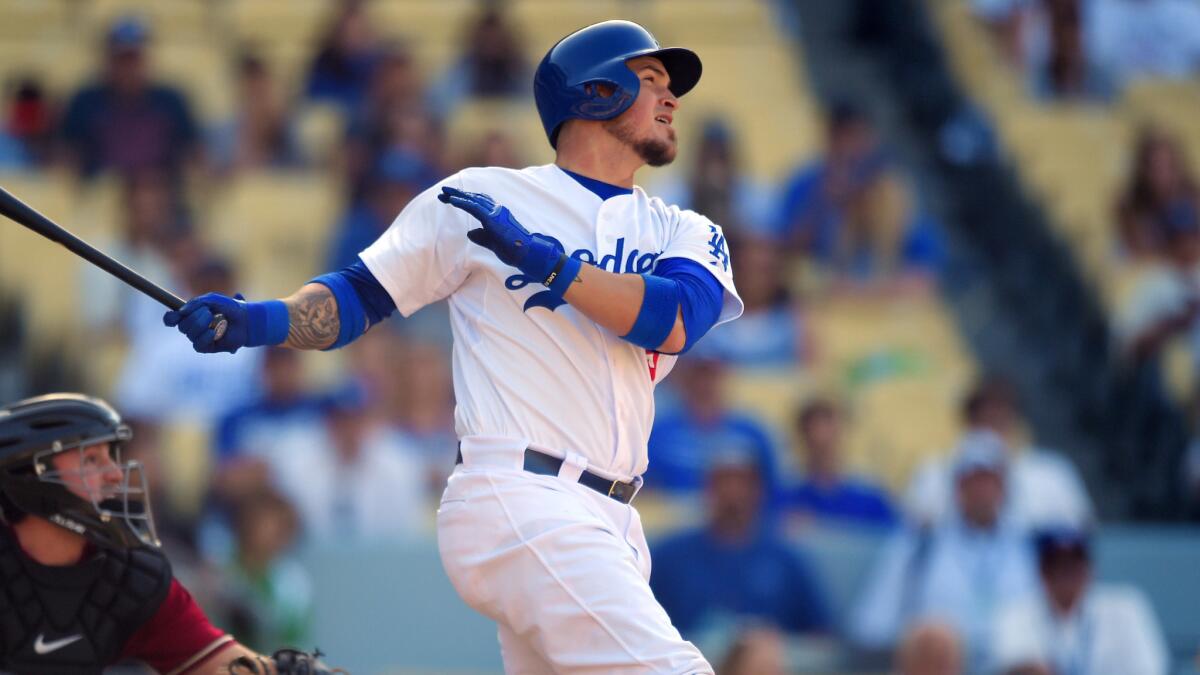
column 528, row 368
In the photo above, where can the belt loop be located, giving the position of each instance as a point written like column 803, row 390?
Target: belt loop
column 573, row 466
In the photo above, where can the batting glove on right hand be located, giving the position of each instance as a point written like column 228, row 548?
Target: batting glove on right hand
column 534, row 254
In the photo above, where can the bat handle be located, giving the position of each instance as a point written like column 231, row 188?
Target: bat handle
column 219, row 323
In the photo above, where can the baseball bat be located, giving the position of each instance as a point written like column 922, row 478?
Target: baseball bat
column 26, row 215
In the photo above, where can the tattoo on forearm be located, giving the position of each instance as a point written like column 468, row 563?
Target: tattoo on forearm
column 312, row 319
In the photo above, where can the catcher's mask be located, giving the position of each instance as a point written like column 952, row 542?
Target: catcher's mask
column 60, row 459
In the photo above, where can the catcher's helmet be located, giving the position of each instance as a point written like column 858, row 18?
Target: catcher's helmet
column 35, row 431
column 564, row 85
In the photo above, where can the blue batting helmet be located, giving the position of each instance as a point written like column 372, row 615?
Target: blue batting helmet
column 564, row 84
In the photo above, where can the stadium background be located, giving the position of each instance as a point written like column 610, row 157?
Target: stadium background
column 1025, row 269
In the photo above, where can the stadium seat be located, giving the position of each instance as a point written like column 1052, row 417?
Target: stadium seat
column 277, row 227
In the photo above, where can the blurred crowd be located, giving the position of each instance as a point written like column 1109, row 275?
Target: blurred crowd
column 1092, row 52
column 988, row 562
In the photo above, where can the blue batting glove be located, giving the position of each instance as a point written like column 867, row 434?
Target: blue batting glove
column 248, row 324
column 535, row 255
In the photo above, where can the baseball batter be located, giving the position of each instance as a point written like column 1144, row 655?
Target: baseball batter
column 571, row 292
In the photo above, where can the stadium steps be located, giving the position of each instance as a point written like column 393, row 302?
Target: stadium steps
column 1073, row 157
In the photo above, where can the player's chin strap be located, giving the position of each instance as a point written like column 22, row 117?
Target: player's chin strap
column 283, row 662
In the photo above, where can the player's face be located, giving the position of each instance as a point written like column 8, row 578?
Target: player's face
column 90, row 471
column 646, row 125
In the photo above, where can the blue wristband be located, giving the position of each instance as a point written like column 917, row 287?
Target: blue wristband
column 656, row 318
column 352, row 318
column 563, row 274
column 267, row 323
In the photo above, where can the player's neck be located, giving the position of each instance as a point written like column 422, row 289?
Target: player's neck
column 599, row 156
column 47, row 543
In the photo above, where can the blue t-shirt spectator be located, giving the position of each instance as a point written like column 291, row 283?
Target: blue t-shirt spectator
column 681, row 448
column 850, row 500
column 703, row 582
column 257, row 427
column 153, row 129
column 810, row 216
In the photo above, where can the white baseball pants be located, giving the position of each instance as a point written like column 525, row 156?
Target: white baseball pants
column 561, row 568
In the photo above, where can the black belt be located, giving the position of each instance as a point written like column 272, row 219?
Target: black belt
column 546, row 465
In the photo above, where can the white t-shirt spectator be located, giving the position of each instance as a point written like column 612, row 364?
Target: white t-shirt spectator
column 165, row 380
column 1043, row 489
column 379, row 496
column 1133, row 39
column 1160, row 293
column 1112, row 632
column 949, row 573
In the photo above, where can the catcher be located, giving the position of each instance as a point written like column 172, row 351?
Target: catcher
column 83, row 583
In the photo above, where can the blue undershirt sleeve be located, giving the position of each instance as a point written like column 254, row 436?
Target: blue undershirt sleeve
column 376, row 301
column 362, row 301
column 700, row 296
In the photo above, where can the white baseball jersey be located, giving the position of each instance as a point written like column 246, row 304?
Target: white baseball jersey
column 528, row 368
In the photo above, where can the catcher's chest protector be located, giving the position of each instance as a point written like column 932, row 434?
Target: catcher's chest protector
column 74, row 620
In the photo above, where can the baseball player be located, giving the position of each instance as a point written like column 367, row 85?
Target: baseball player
column 570, row 293
column 84, row 582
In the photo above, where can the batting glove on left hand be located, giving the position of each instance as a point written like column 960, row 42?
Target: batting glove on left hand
column 194, row 320
column 247, row 324
column 534, row 254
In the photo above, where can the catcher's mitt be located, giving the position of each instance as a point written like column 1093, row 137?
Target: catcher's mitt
column 283, row 662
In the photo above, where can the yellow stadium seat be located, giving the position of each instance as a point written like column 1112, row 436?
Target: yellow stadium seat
column 170, row 21
column 276, row 226
column 518, row 119
column 27, row 19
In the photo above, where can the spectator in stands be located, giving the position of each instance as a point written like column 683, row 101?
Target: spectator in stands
column 854, row 214
column 735, row 567
column 395, row 96
column 827, row 495
column 248, row 438
column 772, row 332
column 930, row 648
column 1067, row 70
column 492, row 65
column 270, row 593
column 422, row 406
column 284, row 408
column 756, row 651
column 495, row 148
column 1010, row 22
column 1071, row 625
column 167, row 383
column 153, row 217
column 408, row 132
column 397, row 178
column 259, row 135
column 355, row 481
column 957, row 571
column 29, row 122
column 1164, row 303
column 684, row 441
column 1159, row 182
column 125, row 122
column 1134, row 39
column 346, row 58
column 716, row 186
column 1043, row 487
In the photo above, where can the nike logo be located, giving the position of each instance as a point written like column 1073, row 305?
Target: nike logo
column 42, row 647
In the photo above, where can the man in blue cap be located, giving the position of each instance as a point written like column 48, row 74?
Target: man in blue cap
column 125, row 122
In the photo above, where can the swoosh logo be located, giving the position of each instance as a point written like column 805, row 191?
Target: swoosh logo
column 42, row 647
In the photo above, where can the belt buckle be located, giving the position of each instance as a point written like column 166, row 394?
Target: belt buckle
column 612, row 487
